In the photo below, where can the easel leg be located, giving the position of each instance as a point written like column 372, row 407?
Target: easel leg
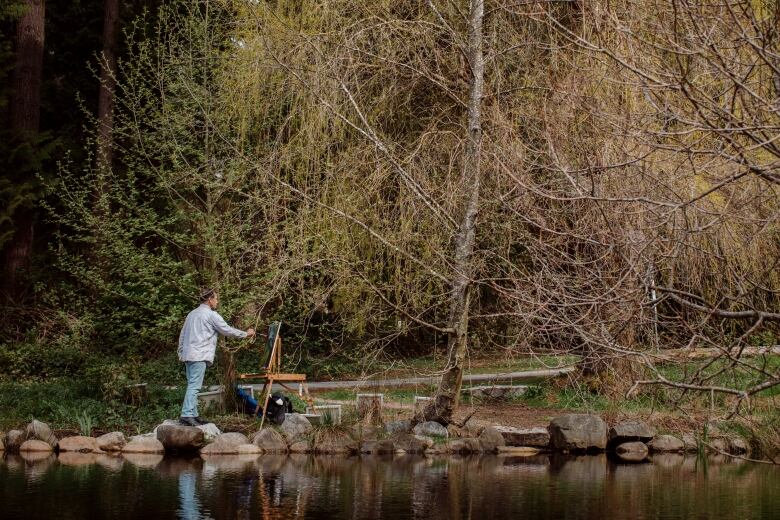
column 257, row 408
column 267, row 397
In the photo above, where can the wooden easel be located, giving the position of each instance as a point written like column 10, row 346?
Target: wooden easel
column 272, row 372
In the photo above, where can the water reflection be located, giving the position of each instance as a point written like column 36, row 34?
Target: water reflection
column 299, row 486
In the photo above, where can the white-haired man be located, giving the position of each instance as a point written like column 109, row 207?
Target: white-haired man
column 197, row 346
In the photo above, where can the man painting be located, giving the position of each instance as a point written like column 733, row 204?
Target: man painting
column 197, row 346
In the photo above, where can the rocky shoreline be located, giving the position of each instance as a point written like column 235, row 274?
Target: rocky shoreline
column 630, row 441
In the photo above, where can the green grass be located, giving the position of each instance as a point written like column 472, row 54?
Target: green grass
column 72, row 404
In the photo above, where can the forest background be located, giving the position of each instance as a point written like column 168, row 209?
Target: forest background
column 587, row 181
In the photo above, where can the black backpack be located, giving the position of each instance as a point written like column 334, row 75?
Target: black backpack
column 278, row 405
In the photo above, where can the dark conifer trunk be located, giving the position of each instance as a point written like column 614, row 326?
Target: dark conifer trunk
column 24, row 120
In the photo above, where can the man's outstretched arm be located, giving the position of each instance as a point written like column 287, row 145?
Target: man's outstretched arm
column 226, row 330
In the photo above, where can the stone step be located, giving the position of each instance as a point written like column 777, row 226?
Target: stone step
column 526, row 437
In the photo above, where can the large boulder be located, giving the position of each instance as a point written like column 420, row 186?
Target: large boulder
column 295, row 426
column 225, row 444
column 79, row 443
column 180, row 438
column 231, row 439
column 666, row 443
column 113, row 441
column 465, row 446
column 690, row 442
column 430, row 429
column 535, row 437
column 490, row 439
column 630, row 431
column 411, row 443
column 336, row 440
column 738, row 446
column 632, row 451
column 398, row 427
column 36, row 445
column 40, row 431
column 378, row 447
column 144, row 459
column 14, row 439
column 248, row 449
column 270, row 441
column 302, row 446
column 146, row 445
column 718, row 445
column 76, row 458
column 210, row 430
column 578, row 432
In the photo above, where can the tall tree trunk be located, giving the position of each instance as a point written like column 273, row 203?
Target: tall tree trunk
column 441, row 408
column 25, row 117
column 105, row 141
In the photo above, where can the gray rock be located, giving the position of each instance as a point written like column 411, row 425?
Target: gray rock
column 77, row 458
column 113, row 441
column 145, row 445
column 225, row 444
column 14, row 439
column 334, row 441
column 295, row 426
column 210, row 430
column 666, row 443
column 465, row 446
column 436, row 449
column 632, row 451
column 36, row 445
column 718, row 445
column 630, row 431
column 430, row 429
column 40, row 431
column 691, row 444
column 535, row 437
column 411, row 443
column 738, row 446
column 490, row 439
column 383, row 446
column 578, row 432
column 398, row 427
column 79, row 443
column 233, row 439
column 144, row 460
column 180, row 437
column 248, row 449
column 302, row 446
column 270, row 441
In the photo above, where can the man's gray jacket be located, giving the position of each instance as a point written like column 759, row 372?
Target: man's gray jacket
column 198, row 338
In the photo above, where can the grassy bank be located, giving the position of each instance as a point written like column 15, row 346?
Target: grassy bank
column 94, row 402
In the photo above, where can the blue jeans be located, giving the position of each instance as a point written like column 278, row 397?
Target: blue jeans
column 195, row 370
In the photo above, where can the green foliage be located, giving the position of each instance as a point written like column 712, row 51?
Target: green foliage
column 86, row 423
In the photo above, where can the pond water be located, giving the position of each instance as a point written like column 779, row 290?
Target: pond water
column 484, row 488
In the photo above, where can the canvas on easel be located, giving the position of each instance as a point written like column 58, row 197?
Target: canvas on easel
column 271, row 371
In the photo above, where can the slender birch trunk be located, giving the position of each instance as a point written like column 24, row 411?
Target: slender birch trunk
column 444, row 403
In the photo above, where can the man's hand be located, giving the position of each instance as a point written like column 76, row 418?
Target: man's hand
column 250, row 333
